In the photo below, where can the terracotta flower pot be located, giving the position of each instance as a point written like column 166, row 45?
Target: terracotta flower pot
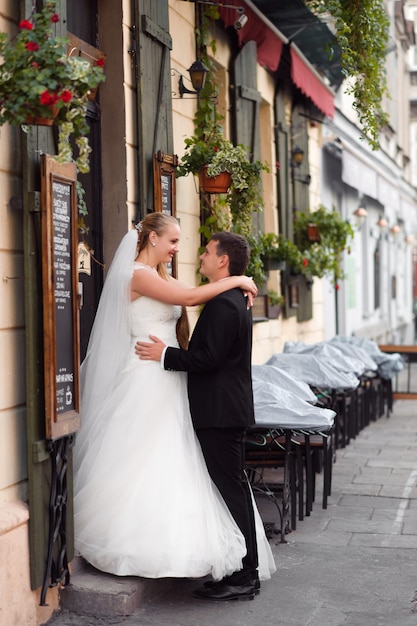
column 214, row 184
column 313, row 233
column 274, row 311
column 43, row 121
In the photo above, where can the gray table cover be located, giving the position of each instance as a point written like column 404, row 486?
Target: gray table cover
column 314, row 370
column 276, row 407
column 281, row 378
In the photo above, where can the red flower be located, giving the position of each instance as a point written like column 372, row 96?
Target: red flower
column 55, row 18
column 336, row 287
column 305, row 262
column 48, row 98
column 101, row 62
column 216, row 149
column 66, row 95
column 32, row 46
column 34, row 64
column 25, row 25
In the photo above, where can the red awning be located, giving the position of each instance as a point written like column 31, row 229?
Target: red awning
column 270, row 41
column 269, row 44
column 305, row 78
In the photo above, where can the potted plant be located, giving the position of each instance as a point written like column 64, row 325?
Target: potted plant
column 198, row 158
column 270, row 251
column 209, row 155
column 323, row 253
column 40, row 84
column 275, row 304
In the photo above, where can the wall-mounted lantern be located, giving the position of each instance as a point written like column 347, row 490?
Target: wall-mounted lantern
column 198, row 74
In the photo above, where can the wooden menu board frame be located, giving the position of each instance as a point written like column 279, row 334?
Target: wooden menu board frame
column 59, row 234
column 164, row 166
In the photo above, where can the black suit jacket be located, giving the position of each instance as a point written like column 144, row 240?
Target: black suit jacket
column 218, row 362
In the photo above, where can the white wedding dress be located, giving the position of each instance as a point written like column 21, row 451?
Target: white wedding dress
column 144, row 503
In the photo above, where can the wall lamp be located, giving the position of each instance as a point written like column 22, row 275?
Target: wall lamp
column 297, row 158
column 382, row 223
column 198, row 74
column 360, row 214
column 381, row 226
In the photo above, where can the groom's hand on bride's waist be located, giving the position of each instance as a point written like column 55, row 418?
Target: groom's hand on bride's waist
column 150, row 351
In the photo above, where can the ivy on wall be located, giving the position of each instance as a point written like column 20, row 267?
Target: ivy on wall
column 362, row 30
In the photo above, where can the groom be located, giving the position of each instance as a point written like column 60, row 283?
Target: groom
column 218, row 362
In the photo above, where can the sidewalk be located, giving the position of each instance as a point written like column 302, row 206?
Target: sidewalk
column 353, row 564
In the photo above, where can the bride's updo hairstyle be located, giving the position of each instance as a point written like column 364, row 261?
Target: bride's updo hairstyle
column 158, row 222
column 154, row 222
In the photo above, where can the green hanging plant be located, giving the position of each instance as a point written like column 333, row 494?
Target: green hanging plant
column 266, row 246
column 219, row 154
column 324, row 257
column 318, row 258
column 208, row 146
column 362, row 32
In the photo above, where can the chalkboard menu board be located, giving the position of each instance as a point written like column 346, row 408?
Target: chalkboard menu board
column 60, row 304
column 164, row 166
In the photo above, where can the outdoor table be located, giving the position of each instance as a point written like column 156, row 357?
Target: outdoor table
column 279, row 414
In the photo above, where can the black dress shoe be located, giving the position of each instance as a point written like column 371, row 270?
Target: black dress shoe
column 255, row 582
column 220, row 591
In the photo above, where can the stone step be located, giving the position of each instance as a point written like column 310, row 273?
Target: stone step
column 92, row 592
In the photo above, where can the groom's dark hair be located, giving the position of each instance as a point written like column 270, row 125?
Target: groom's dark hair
column 237, row 249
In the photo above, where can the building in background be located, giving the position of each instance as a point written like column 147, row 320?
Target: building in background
column 376, row 300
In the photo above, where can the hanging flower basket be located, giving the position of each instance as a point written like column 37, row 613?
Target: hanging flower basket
column 39, row 79
column 214, row 184
column 42, row 121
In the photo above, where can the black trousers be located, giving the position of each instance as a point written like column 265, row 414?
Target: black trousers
column 224, row 453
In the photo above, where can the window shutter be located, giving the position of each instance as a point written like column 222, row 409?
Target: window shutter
column 247, row 100
column 301, row 173
column 305, row 310
column 282, row 134
column 153, row 80
column 302, row 202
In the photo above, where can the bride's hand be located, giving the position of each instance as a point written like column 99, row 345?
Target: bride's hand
column 248, row 285
column 250, row 290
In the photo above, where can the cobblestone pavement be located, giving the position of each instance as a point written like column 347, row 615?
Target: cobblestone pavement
column 353, row 564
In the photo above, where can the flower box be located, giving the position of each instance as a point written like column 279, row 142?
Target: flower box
column 274, row 311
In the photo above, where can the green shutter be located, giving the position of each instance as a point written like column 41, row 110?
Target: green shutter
column 154, row 101
column 282, row 138
column 302, row 201
column 301, row 173
column 293, row 194
column 247, row 100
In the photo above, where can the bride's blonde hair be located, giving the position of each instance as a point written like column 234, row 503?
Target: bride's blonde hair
column 158, row 222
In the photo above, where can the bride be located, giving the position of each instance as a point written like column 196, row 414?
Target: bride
column 144, row 504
